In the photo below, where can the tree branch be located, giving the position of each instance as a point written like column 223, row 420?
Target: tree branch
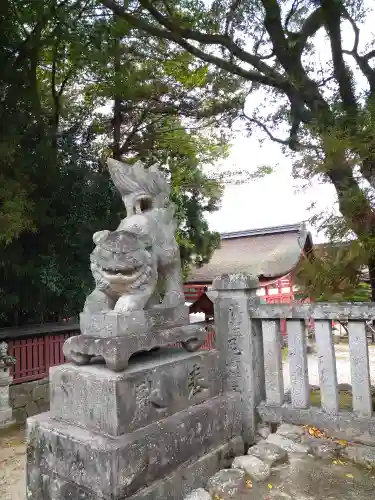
column 265, row 74
column 309, row 28
column 362, row 61
column 332, row 12
column 306, row 90
column 290, row 142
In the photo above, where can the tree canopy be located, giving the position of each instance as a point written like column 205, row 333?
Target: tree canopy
column 76, row 86
column 312, row 62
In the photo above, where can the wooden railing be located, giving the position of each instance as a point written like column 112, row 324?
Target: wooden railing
column 299, row 408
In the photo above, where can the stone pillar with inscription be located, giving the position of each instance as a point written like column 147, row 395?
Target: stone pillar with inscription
column 239, row 342
column 130, row 416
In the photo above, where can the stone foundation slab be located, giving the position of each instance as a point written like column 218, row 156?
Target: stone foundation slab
column 187, row 477
column 116, row 468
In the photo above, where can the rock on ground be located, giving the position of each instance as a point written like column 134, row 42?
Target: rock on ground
column 293, row 432
column 321, row 448
column 263, row 431
column 268, row 452
column 253, row 466
column 287, row 444
column 226, row 482
column 199, row 494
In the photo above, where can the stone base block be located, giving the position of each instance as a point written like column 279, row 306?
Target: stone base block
column 116, row 351
column 116, row 468
column 153, row 387
column 114, row 324
column 187, row 477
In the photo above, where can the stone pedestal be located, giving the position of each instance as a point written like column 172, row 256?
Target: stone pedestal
column 6, row 413
column 6, row 418
column 116, row 337
column 153, row 431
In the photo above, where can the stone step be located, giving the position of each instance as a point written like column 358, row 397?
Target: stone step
column 268, row 452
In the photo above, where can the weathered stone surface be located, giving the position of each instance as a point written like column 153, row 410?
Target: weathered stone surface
column 227, row 482
column 5, row 417
column 290, row 431
column 113, row 324
column 153, row 387
column 366, row 438
column 321, row 448
column 264, row 431
column 116, row 351
column 346, row 425
column 131, row 264
column 287, row 444
column 241, row 353
column 253, row 466
column 188, row 476
column 268, row 452
column 116, row 467
column 29, row 398
column 360, row 454
column 199, row 494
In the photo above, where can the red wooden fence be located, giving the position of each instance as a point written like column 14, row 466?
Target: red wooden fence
column 38, row 348
column 193, row 292
column 35, row 355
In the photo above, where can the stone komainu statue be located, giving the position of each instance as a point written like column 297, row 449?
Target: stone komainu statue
column 137, row 266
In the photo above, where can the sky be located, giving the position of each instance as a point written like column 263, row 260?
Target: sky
column 276, row 199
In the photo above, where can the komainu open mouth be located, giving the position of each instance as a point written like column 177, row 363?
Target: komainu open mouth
column 122, row 272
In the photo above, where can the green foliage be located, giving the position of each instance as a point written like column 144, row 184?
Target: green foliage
column 333, row 275
column 62, row 62
column 310, row 86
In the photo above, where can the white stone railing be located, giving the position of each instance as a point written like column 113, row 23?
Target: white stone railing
column 249, row 343
column 323, row 314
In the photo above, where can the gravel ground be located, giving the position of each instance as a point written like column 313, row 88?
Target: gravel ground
column 12, row 464
column 342, row 366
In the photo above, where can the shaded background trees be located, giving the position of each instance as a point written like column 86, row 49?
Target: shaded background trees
column 77, row 86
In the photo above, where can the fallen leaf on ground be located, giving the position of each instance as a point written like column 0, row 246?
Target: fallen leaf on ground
column 270, row 486
column 350, row 476
column 315, row 432
column 342, row 442
column 249, row 484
